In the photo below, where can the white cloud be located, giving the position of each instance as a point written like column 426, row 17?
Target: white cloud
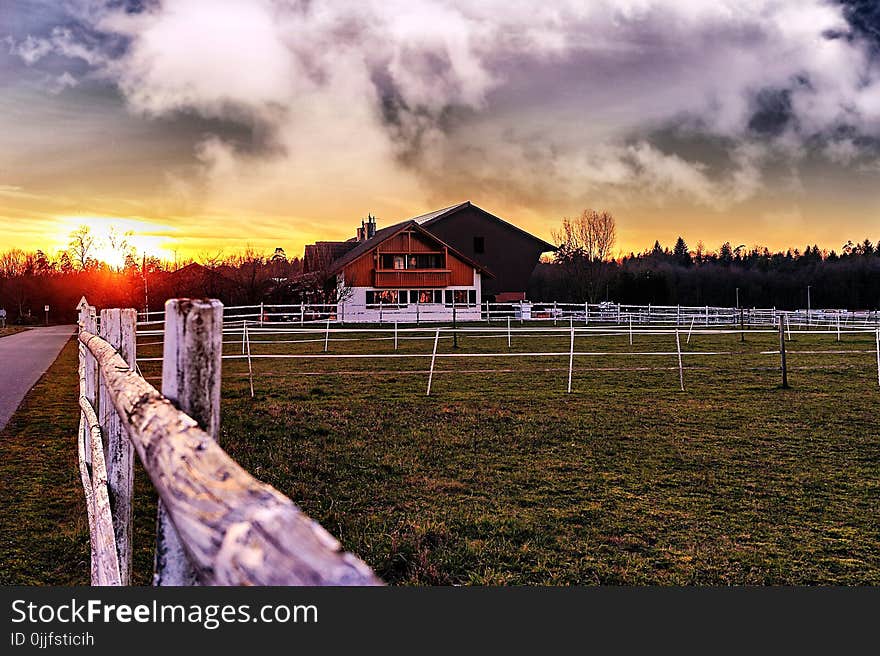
column 348, row 91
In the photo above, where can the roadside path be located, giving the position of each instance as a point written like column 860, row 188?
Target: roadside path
column 24, row 357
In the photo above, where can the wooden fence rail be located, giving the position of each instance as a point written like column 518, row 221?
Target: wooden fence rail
column 232, row 529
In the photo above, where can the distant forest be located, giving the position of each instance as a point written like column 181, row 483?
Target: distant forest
column 580, row 270
column 680, row 276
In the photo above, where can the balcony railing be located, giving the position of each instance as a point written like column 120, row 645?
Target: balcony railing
column 412, row 278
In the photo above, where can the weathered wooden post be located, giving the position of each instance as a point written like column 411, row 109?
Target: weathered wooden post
column 118, row 330
column 88, row 321
column 395, row 335
column 570, row 356
column 327, row 335
column 742, row 334
column 782, row 353
column 508, row 331
column 191, row 368
column 454, row 327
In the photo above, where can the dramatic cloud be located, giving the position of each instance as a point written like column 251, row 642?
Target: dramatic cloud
column 514, row 102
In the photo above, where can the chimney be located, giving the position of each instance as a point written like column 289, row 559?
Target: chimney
column 371, row 226
column 360, row 232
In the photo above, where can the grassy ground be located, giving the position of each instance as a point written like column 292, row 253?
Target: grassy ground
column 501, row 477
column 44, row 533
column 11, row 330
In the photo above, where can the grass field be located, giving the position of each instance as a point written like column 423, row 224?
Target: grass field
column 11, row 330
column 500, row 477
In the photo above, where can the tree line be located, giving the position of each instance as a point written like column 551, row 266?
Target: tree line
column 582, row 270
column 30, row 280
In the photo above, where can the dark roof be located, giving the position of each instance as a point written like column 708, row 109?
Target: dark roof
column 384, row 234
column 328, row 251
column 426, row 220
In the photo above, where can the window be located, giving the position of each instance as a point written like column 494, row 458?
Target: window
column 479, row 245
column 461, row 297
column 371, row 297
column 399, row 262
column 426, row 296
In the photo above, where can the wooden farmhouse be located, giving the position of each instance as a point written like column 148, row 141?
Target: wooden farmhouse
column 423, row 268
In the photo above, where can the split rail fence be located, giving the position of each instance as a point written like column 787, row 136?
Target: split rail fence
column 217, row 524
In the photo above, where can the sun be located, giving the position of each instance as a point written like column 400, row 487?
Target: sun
column 114, row 238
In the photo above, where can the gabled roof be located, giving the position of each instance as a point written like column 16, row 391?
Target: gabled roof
column 364, row 247
column 426, row 220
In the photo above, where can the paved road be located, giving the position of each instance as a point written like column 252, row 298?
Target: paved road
column 24, row 357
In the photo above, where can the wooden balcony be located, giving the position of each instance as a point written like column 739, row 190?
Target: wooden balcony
column 411, row 277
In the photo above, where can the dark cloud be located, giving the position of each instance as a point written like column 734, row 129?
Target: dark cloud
column 773, row 112
column 864, row 16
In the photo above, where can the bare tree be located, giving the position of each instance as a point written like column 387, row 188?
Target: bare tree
column 82, row 242
column 585, row 244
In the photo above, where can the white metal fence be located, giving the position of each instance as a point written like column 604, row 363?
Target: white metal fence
column 554, row 312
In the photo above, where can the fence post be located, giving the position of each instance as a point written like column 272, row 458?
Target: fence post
column 302, row 313
column 690, row 330
column 782, row 354
column 508, row 331
column 742, row 334
column 838, row 326
column 89, row 322
column 250, row 366
column 261, row 315
column 454, row 327
column 243, row 334
column 433, row 358
column 707, row 315
column 118, row 329
column 395, row 335
column 570, row 357
column 680, row 367
column 587, row 313
column 878, row 356
column 554, row 313
column 630, row 330
column 327, row 335
column 191, row 362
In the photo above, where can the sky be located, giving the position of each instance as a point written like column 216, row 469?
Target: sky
column 204, row 126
